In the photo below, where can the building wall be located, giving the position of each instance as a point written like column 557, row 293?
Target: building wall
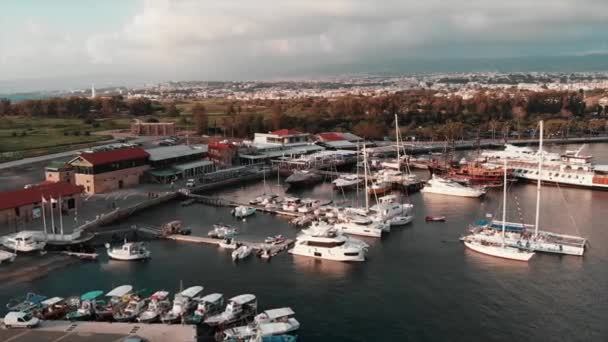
column 26, row 213
column 110, row 181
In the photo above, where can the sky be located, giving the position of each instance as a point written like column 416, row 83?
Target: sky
column 141, row 40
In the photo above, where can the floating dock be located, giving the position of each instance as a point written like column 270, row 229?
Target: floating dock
column 99, row 332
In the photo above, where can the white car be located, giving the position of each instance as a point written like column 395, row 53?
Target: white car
column 20, row 320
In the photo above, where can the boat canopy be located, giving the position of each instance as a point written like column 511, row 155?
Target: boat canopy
column 91, row 295
column 278, row 313
column 160, row 295
column 120, row 291
column 51, row 301
column 192, row 291
column 212, row 298
column 243, row 299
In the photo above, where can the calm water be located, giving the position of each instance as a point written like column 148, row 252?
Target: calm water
column 419, row 284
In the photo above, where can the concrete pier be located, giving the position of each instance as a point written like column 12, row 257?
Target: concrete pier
column 99, row 332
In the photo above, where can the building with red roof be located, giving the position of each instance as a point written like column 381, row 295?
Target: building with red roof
column 106, row 171
column 25, row 205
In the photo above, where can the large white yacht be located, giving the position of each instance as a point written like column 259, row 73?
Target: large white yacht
column 323, row 241
column 23, row 242
column 442, row 186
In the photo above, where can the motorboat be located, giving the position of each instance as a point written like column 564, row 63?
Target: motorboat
column 228, row 243
column 129, row 251
column 23, row 242
column 183, row 304
column 241, row 253
column 444, row 186
column 158, row 305
column 291, row 204
column 136, row 306
column 323, row 241
column 221, row 231
column 86, row 307
column 208, row 305
column 435, row 219
column 7, row 256
column 117, row 299
column 309, row 206
column 25, row 304
column 243, row 211
column 303, row 178
column 268, row 323
column 345, row 182
column 237, row 309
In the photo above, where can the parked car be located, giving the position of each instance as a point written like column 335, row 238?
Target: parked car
column 20, row 320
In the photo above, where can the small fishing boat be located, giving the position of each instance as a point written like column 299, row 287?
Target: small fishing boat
column 269, row 323
column 137, row 304
column 277, row 239
column 435, row 219
column 241, row 253
column 129, row 251
column 228, row 243
column 158, row 305
column 86, row 308
column 221, row 231
column 243, row 211
column 208, row 305
column 183, row 304
column 117, row 300
column 25, row 304
column 238, row 308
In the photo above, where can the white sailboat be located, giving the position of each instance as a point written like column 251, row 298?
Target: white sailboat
column 478, row 244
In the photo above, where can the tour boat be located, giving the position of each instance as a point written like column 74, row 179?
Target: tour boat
column 323, row 241
column 158, row 305
column 345, row 182
column 241, row 253
column 129, row 251
column 243, row 211
column 238, row 308
column 137, row 305
column 303, row 178
column 86, row 308
column 7, row 256
column 443, row 186
column 268, row 323
column 117, row 299
column 477, row 243
column 24, row 242
column 183, row 304
column 221, row 231
column 208, row 305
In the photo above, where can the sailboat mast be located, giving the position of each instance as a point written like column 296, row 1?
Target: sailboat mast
column 504, row 202
column 539, row 182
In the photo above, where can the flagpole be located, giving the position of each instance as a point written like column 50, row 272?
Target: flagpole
column 60, row 217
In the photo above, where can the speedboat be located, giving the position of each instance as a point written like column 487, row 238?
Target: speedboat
column 345, row 182
column 323, row 241
column 117, row 299
column 86, row 308
column 129, row 251
column 208, row 305
column 268, row 323
column 442, row 186
column 238, row 308
column 183, row 304
column 243, row 211
column 137, row 305
column 242, row 252
column 23, row 242
column 221, row 231
column 157, row 306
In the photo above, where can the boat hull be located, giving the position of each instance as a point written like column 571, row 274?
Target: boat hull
column 499, row 252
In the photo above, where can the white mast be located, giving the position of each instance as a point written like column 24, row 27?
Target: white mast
column 504, row 203
column 540, row 175
column 365, row 177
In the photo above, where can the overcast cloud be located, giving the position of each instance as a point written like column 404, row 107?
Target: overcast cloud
column 228, row 39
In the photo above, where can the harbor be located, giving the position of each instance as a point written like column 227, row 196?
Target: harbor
column 297, row 280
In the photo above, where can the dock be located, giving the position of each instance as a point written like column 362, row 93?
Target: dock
column 99, row 332
column 274, row 248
